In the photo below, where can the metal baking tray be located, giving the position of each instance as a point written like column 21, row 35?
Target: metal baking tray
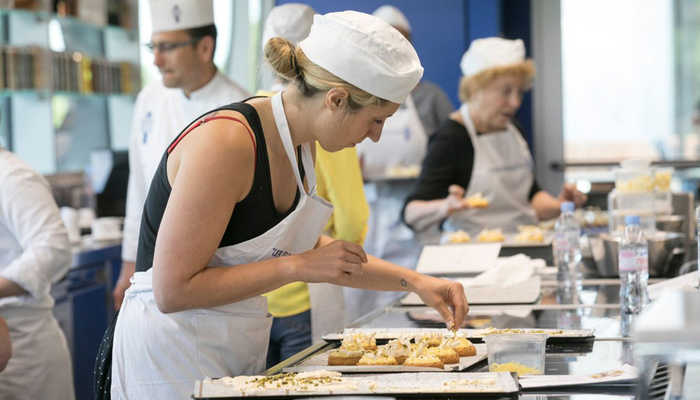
column 471, row 334
column 320, row 362
column 414, row 384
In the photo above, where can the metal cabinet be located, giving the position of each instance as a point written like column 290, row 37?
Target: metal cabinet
column 84, row 309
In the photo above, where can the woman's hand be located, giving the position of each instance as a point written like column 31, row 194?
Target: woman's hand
column 570, row 193
column 447, row 297
column 330, row 263
column 455, row 200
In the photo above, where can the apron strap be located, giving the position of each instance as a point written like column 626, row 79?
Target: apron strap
column 286, row 137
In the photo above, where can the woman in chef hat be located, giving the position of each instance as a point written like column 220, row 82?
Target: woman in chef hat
column 232, row 212
column 301, row 311
column 481, row 150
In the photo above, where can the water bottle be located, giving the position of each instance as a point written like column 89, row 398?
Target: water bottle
column 634, row 267
column 697, row 234
column 567, row 249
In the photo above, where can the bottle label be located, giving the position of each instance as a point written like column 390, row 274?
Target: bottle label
column 631, row 261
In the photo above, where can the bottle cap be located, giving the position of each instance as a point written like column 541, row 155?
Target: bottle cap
column 567, row 206
column 632, row 220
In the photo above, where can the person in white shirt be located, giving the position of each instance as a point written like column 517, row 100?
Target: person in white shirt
column 183, row 44
column 34, row 253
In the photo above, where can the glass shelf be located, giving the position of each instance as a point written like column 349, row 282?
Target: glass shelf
column 48, row 93
column 46, row 16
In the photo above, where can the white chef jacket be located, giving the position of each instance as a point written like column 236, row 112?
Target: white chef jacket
column 160, row 114
column 34, row 253
column 34, row 247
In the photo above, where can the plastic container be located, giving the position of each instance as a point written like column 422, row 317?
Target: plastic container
column 520, row 353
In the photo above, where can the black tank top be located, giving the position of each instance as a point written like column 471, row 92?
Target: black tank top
column 252, row 216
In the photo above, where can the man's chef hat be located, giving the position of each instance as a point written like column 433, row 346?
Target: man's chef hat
column 393, row 16
column 173, row 15
column 364, row 51
column 290, row 21
column 491, row 52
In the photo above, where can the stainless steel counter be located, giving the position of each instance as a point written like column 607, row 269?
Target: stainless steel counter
column 596, row 308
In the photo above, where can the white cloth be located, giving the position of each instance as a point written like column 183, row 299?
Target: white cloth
column 34, row 253
column 160, row 114
column 40, row 366
column 163, row 360
column 34, row 247
column 403, row 143
column 491, row 52
column 502, row 173
column 366, row 52
column 290, row 21
column 173, row 15
column 393, row 16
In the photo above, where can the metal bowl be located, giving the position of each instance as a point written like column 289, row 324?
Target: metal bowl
column 664, row 248
column 670, row 223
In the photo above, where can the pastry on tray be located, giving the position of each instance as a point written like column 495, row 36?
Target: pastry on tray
column 399, row 349
column 461, row 345
column 421, row 358
column 365, row 341
column 529, row 234
column 446, row 354
column 430, row 339
column 459, row 236
column 377, row 358
column 477, row 200
column 491, row 235
column 345, row 356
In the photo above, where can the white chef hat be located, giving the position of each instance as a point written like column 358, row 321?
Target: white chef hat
column 393, row 16
column 364, row 51
column 491, row 52
column 173, row 15
column 290, row 21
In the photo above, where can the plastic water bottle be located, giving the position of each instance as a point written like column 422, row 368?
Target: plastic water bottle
column 567, row 249
column 697, row 234
column 634, row 267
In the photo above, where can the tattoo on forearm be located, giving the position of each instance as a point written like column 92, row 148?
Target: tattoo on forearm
column 404, row 284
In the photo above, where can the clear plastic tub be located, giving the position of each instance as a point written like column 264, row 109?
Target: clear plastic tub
column 520, row 353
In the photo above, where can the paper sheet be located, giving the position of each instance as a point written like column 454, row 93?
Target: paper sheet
column 458, row 258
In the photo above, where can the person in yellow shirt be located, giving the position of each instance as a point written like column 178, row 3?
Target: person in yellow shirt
column 339, row 181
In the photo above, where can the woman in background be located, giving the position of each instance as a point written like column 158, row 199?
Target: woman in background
column 34, row 253
column 480, row 149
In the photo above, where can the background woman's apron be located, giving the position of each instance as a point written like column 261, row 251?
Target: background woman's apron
column 502, row 172
column 159, row 356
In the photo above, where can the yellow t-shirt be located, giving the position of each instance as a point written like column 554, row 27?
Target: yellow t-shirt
column 338, row 180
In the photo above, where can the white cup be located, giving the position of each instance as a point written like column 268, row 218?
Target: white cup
column 106, row 228
column 70, row 219
column 86, row 216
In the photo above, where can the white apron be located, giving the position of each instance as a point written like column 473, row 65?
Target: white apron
column 502, row 172
column 40, row 366
column 403, row 143
column 159, row 356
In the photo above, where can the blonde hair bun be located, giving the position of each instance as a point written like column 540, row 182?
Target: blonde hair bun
column 280, row 54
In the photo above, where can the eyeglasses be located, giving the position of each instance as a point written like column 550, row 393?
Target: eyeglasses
column 164, row 47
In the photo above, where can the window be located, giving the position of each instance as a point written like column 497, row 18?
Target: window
column 618, row 80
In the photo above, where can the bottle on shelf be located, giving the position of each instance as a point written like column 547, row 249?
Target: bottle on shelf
column 634, row 267
column 567, row 248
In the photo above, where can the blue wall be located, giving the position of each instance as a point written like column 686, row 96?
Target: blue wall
column 439, row 33
column 443, row 29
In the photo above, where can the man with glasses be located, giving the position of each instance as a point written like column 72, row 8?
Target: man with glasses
column 183, row 43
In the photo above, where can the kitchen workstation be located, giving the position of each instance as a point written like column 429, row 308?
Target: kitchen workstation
column 274, row 199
